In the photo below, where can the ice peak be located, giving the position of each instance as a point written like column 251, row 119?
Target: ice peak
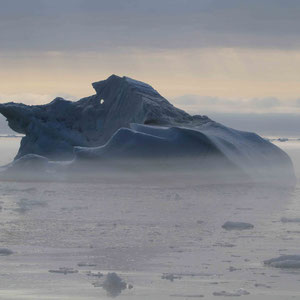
column 120, row 83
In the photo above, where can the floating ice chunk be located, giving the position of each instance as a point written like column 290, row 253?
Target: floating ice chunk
column 14, row 190
column 226, row 245
column 97, row 284
column 284, row 262
column 186, row 296
column 170, row 277
column 262, row 285
column 5, row 252
column 177, row 197
column 237, row 225
column 49, row 192
column 290, row 220
column 99, row 274
column 239, row 292
column 26, row 204
column 64, row 271
column 85, row 264
column 113, row 285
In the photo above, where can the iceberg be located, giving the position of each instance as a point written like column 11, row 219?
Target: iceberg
column 129, row 121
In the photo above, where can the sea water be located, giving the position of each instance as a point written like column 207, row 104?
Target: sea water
column 163, row 238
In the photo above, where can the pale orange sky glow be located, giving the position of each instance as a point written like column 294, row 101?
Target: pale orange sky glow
column 239, row 52
column 223, row 73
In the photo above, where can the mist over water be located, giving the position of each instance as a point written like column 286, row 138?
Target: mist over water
column 115, row 192
column 8, row 148
column 162, row 236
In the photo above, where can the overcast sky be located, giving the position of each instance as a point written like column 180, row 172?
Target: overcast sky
column 84, row 25
column 233, row 56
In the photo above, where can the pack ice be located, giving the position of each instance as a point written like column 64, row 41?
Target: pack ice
column 128, row 120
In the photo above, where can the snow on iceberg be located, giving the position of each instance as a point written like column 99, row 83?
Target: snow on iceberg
column 129, row 120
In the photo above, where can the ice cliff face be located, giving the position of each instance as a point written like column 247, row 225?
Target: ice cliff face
column 128, row 119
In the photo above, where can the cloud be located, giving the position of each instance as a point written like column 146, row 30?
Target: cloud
column 264, row 102
column 266, row 124
column 95, row 25
column 206, row 105
column 225, row 73
column 32, row 99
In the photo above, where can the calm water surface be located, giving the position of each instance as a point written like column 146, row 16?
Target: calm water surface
column 142, row 231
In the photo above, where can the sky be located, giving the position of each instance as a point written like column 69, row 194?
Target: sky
column 206, row 56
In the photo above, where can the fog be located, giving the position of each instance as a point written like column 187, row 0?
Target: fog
column 161, row 232
column 155, row 213
column 266, row 124
column 122, row 194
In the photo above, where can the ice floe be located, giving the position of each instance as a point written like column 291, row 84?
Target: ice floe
column 170, row 277
column 113, row 284
column 284, row 262
column 5, row 252
column 86, row 264
column 63, row 270
column 290, row 220
column 229, row 225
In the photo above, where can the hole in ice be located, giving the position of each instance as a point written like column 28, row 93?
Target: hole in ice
column 101, row 101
